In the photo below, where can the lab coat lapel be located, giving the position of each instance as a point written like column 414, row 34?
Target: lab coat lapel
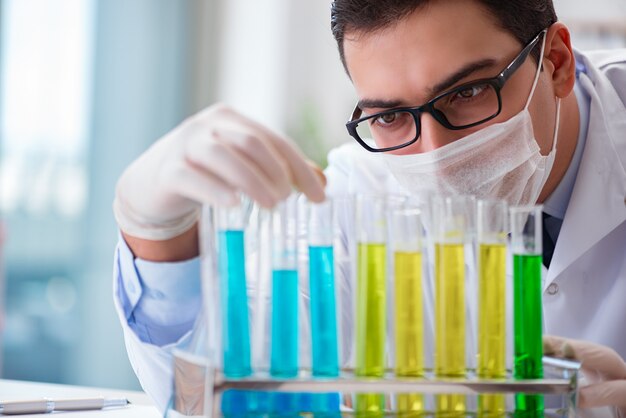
column 597, row 205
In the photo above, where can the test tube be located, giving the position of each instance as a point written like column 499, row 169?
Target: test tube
column 526, row 247
column 371, row 296
column 406, row 236
column 231, row 224
column 492, row 239
column 323, row 307
column 325, row 354
column 284, row 322
column 284, row 345
column 452, row 220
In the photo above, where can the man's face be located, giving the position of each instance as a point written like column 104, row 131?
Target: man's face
column 438, row 47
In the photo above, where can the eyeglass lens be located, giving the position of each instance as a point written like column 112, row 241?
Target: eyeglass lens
column 459, row 108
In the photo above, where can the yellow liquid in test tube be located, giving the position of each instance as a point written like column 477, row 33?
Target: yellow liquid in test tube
column 409, row 328
column 450, row 322
column 492, row 326
column 371, row 321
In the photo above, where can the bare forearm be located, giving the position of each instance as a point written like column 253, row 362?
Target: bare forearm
column 180, row 248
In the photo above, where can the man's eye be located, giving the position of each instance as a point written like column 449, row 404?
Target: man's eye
column 470, row 92
column 386, row 119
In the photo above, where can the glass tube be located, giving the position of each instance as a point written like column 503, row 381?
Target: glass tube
column 231, row 223
column 323, row 306
column 325, row 354
column 284, row 321
column 406, row 242
column 526, row 247
column 452, row 220
column 371, row 297
column 284, row 347
column 492, row 229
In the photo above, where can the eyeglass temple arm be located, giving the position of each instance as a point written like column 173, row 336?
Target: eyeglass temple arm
column 506, row 73
column 356, row 113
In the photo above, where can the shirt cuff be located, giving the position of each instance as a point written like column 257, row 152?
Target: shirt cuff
column 160, row 300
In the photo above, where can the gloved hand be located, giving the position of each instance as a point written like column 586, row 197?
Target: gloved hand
column 208, row 159
column 604, row 369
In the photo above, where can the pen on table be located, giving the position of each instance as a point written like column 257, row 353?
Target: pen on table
column 44, row 406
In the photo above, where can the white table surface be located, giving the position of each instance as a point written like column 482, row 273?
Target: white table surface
column 141, row 405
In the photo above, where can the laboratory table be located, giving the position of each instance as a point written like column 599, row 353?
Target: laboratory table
column 141, row 406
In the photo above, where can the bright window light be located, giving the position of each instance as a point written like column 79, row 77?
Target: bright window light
column 45, row 105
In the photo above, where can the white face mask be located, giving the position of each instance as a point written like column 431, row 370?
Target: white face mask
column 500, row 161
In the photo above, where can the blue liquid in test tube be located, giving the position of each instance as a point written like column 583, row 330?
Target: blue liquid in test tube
column 236, row 330
column 250, row 404
column 231, row 263
column 323, row 311
column 323, row 325
column 235, row 325
column 284, row 358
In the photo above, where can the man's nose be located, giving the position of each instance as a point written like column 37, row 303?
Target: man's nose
column 433, row 134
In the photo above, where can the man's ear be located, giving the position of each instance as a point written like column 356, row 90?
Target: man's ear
column 559, row 59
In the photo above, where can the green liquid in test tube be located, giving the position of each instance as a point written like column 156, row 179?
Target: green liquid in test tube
column 371, row 298
column 526, row 246
column 492, row 239
column 371, row 305
column 453, row 219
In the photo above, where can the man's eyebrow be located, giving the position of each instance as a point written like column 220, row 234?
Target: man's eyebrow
column 431, row 92
column 379, row 104
column 468, row 69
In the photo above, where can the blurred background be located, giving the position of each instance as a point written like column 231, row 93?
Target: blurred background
column 87, row 85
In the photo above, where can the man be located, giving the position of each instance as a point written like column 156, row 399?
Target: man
column 480, row 96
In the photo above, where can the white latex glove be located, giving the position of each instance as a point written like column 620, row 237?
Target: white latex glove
column 208, row 159
column 603, row 368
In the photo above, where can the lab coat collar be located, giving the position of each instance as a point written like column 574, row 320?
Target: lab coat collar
column 597, row 205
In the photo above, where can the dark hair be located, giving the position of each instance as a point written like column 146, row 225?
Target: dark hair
column 524, row 19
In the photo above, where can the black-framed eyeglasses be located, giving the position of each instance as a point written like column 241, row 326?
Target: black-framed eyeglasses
column 463, row 107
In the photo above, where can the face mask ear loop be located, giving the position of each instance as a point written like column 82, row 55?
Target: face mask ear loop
column 539, row 65
column 556, row 127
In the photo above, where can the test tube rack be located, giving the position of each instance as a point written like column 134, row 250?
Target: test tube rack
column 561, row 378
column 564, row 383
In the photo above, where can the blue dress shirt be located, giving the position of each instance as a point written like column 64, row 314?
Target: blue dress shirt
column 160, row 300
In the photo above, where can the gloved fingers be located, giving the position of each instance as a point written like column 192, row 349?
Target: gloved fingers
column 234, row 168
column 304, row 177
column 592, row 356
column 602, row 359
column 262, row 154
column 198, row 185
column 301, row 175
column 318, row 172
column 607, row 393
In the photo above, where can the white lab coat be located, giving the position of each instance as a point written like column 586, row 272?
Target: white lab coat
column 585, row 288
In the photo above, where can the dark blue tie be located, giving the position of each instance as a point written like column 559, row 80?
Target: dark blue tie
column 551, row 229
